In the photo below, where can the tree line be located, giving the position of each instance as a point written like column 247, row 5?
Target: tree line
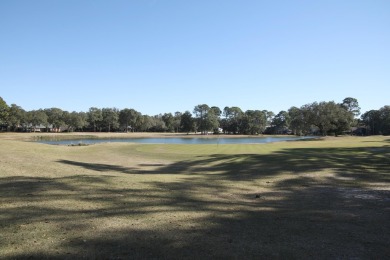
column 322, row 118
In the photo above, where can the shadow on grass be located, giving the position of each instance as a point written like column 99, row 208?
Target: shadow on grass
column 200, row 215
column 360, row 164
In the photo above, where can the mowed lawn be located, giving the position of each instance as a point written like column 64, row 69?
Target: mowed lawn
column 323, row 199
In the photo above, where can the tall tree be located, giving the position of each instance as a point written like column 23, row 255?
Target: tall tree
column 216, row 110
column 186, row 122
column 212, row 120
column 17, row 116
column 128, row 118
column 145, row 123
column 110, row 118
column 207, row 118
column 299, row 120
column 139, row 121
column 77, row 120
column 177, row 121
column 4, row 112
column 95, row 116
column 384, row 115
column 157, row 124
column 66, row 119
column 36, row 118
column 55, row 118
column 377, row 121
column 233, row 120
column 351, row 105
column 269, row 116
column 372, row 120
column 200, row 112
column 168, row 120
column 254, row 123
column 281, row 122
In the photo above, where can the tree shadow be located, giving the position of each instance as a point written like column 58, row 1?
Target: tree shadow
column 99, row 167
column 218, row 206
column 360, row 165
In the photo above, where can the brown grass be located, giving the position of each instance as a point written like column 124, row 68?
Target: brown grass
column 316, row 199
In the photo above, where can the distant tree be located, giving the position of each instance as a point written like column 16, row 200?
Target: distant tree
column 82, row 121
column 254, row 122
column 372, row 121
column 233, row 120
column 157, row 124
column 36, row 118
column 298, row 120
column 94, row 116
column 186, row 122
column 351, row 105
column 55, row 117
column 4, row 112
column 139, row 121
column 215, row 121
column 212, row 120
column 327, row 117
column 343, row 121
column 110, row 118
column 66, row 119
column 321, row 116
column 377, row 121
column 226, row 112
column 168, row 120
column 145, row 123
column 207, row 118
column 77, row 120
column 269, row 116
column 201, row 112
column 281, row 122
column 216, row 110
column 384, row 114
column 177, row 121
column 17, row 117
column 128, row 118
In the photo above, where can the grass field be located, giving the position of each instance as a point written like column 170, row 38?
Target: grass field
column 323, row 199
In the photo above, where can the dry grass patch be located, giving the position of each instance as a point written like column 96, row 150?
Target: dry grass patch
column 322, row 199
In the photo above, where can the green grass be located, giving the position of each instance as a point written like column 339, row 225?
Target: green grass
column 305, row 199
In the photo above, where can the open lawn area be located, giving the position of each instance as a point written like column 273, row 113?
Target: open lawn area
column 322, row 199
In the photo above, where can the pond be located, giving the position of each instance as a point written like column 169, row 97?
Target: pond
column 177, row 140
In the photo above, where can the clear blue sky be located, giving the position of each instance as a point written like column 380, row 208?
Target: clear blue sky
column 160, row 56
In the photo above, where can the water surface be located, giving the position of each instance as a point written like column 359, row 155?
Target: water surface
column 178, row 140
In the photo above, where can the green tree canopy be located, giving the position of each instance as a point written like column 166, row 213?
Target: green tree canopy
column 186, row 122
column 17, row 117
column 128, row 118
column 4, row 111
column 110, row 118
column 35, row 118
column 351, row 105
column 94, row 117
column 55, row 117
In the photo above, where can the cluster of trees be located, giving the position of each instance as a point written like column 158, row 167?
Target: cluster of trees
column 377, row 121
column 316, row 118
column 15, row 118
column 321, row 118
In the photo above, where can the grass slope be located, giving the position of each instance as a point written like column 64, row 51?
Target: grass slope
column 309, row 199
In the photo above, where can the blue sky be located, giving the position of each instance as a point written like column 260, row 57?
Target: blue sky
column 164, row 56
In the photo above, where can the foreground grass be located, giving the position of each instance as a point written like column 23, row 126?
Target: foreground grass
column 311, row 199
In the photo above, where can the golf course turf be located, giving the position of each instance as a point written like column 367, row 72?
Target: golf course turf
column 324, row 199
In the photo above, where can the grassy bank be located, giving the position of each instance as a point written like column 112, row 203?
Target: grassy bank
column 304, row 199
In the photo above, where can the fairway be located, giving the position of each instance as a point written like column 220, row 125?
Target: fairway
column 326, row 198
